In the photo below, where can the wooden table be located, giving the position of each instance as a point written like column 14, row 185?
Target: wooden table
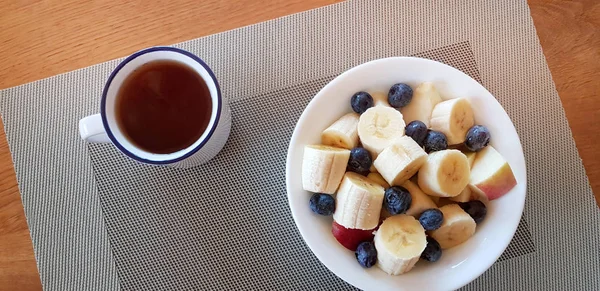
column 39, row 39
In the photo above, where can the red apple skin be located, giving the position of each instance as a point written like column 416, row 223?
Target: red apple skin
column 499, row 184
column 350, row 238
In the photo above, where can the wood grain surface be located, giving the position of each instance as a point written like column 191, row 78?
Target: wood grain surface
column 42, row 38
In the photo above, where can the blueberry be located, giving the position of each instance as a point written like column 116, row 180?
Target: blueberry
column 433, row 251
column 435, row 141
column 323, row 204
column 431, row 219
column 478, row 137
column 366, row 254
column 397, row 200
column 361, row 101
column 476, row 209
column 400, row 95
column 417, row 130
column 360, row 161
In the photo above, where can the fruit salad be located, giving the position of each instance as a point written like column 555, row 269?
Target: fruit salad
column 405, row 176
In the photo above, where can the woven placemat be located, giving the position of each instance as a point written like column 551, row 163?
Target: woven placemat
column 100, row 221
column 196, row 228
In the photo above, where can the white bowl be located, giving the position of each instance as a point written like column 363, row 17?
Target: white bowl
column 458, row 266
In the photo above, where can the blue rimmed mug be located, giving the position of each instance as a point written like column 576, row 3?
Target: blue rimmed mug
column 103, row 127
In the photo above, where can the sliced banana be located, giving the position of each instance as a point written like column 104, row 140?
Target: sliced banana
column 476, row 195
column 401, row 160
column 453, row 117
column 399, row 241
column 414, row 178
column 464, row 196
column 458, row 227
column 443, row 201
column 376, row 177
column 372, row 169
column 378, row 127
column 470, row 158
column 323, row 168
column 420, row 201
column 468, row 194
column 445, row 173
column 358, row 202
column 435, row 199
column 384, row 214
column 425, row 98
column 380, row 99
column 343, row 133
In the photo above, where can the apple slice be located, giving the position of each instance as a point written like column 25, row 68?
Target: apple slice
column 350, row 238
column 491, row 174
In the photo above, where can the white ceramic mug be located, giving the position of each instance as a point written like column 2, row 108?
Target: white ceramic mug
column 103, row 127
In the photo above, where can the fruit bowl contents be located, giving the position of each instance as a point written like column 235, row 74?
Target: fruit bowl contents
column 405, row 175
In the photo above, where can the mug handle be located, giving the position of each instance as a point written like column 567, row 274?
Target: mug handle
column 92, row 130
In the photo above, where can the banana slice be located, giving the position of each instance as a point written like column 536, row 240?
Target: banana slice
column 384, row 214
column 399, row 161
column 323, row 168
column 443, row 201
column 453, row 117
column 425, row 98
column 475, row 195
column 470, row 158
column 435, row 199
column 343, row 133
column 445, row 173
column 372, row 169
column 414, row 178
column 458, row 227
column 420, row 201
column 464, row 196
column 358, row 202
column 376, row 177
column 399, row 241
column 380, row 99
column 468, row 194
column 379, row 127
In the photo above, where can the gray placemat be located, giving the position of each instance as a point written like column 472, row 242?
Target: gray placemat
column 165, row 229
column 196, row 228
